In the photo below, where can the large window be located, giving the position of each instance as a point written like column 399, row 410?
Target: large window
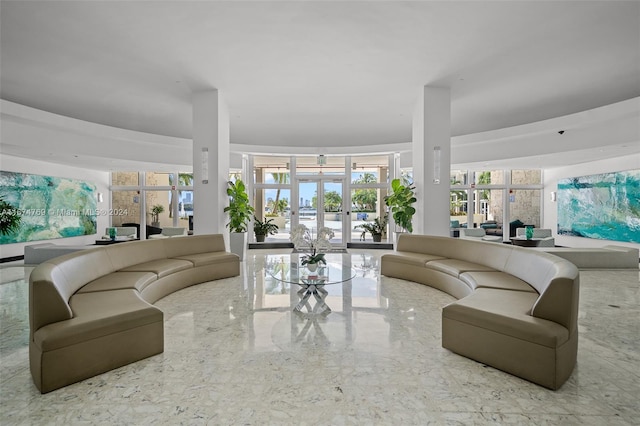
column 524, row 204
column 482, row 196
column 369, row 182
column 154, row 199
column 272, row 194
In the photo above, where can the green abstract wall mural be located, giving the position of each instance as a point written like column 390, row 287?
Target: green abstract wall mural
column 34, row 207
column 604, row 206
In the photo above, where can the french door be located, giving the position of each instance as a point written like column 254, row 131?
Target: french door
column 322, row 203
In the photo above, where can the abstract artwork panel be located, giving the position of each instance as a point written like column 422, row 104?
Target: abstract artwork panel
column 604, row 206
column 45, row 207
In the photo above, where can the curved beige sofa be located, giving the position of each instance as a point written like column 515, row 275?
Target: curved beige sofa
column 517, row 309
column 91, row 311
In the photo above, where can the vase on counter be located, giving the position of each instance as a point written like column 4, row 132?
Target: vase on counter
column 529, row 232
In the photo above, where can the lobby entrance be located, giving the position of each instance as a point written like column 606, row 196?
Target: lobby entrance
column 338, row 192
column 322, row 204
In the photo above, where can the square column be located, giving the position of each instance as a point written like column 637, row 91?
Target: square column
column 210, row 163
column 431, row 149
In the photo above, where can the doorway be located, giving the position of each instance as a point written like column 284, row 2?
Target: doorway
column 322, row 204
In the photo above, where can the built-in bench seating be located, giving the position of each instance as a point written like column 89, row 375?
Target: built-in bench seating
column 517, row 309
column 607, row 257
column 91, row 311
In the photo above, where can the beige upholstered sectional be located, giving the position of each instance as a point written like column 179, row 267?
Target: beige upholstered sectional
column 517, row 309
column 91, row 311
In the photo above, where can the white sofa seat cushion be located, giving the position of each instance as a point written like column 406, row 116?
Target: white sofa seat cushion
column 409, row 258
column 201, row 259
column 495, row 279
column 119, row 281
column 473, row 232
column 170, row 232
column 507, row 312
column 455, row 267
column 544, row 235
column 96, row 315
column 479, row 234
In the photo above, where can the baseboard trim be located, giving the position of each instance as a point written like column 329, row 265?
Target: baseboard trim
column 374, row 246
column 270, row 245
column 11, row 259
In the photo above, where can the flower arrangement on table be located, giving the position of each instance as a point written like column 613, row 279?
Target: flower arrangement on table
column 302, row 239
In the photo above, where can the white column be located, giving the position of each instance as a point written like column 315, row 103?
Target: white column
column 210, row 163
column 432, row 150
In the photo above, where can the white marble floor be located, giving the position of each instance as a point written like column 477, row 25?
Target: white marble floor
column 236, row 354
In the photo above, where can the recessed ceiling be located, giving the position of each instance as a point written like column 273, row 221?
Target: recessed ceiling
column 307, row 74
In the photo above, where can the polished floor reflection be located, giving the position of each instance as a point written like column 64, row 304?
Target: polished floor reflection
column 237, row 353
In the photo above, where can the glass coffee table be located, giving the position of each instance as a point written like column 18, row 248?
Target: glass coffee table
column 287, row 268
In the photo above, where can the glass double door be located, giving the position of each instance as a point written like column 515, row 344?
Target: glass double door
column 321, row 203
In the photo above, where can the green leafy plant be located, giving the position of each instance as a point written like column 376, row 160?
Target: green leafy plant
column 9, row 218
column 155, row 212
column 376, row 227
column 313, row 258
column 400, row 202
column 239, row 209
column 264, row 228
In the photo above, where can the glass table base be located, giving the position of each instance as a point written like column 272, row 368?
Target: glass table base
column 318, row 292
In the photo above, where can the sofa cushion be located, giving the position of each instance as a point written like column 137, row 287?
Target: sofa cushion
column 506, row 312
column 495, row 279
column 120, row 280
column 95, row 315
column 177, row 247
column 161, row 267
column 474, row 232
column 200, row 259
column 411, row 258
column 132, row 253
column 456, row 267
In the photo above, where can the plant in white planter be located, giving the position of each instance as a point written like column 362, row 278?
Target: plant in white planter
column 240, row 214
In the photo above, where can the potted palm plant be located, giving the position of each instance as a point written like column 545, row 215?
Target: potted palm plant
column 240, row 212
column 155, row 215
column 400, row 203
column 375, row 228
column 264, row 228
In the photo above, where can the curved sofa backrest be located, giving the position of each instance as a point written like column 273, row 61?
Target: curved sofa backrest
column 134, row 252
column 52, row 283
column 555, row 279
column 175, row 247
column 490, row 254
column 560, row 298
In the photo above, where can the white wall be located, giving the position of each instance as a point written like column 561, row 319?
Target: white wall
column 551, row 177
column 24, row 165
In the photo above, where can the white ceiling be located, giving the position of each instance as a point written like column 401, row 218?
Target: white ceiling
column 328, row 73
